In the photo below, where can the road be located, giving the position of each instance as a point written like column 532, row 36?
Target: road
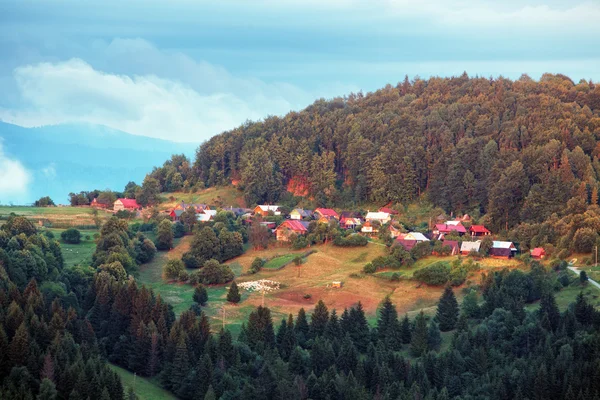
column 593, row 282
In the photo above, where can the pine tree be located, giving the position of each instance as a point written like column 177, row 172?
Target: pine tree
column 388, row 326
column 319, row 319
column 200, row 295
column 549, row 312
column 418, row 344
column 19, row 346
column 233, row 296
column 47, row 390
column 434, row 337
column 405, row 330
column 210, row 394
column 447, row 310
column 181, row 363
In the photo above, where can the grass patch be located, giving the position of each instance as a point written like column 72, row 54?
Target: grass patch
column 77, row 254
column 278, row 262
column 145, row 388
column 387, row 275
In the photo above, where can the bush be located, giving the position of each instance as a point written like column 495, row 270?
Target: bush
column 583, row 278
column 72, row 236
column 395, row 277
column 564, row 278
column 422, row 249
column 200, row 295
column 124, row 214
column 173, row 269
column 184, row 276
column 299, row 242
column 307, row 296
column 435, row 274
column 351, row 241
column 88, row 237
column 369, row 268
column 257, row 265
column 190, row 261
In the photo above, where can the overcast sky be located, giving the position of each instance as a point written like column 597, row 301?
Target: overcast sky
column 187, row 70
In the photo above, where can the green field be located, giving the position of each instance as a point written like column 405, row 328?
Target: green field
column 387, row 274
column 280, row 261
column 146, row 389
column 47, row 211
column 81, row 253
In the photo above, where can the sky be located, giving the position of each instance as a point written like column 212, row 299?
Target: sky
column 187, row 70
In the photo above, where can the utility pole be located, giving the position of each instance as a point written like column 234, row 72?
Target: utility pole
column 596, row 265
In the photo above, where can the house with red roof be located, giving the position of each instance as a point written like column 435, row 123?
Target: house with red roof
column 449, row 227
column 126, row 204
column 327, row 213
column 479, row 230
column 290, row 227
column 538, row 253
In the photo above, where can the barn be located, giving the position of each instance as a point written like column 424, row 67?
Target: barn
column 126, row 204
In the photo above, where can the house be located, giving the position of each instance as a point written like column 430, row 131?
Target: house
column 97, row 204
column 290, row 227
column 538, row 253
column 237, row 211
column 300, row 213
column 504, row 250
column 368, row 228
column 350, row 223
column 388, row 210
column 464, row 218
column 325, row 219
column 467, row 247
column 394, row 232
column 185, row 206
column 270, row 225
column 126, row 204
column 410, row 239
column 479, row 230
column 176, row 214
column 327, row 213
column 449, row 227
column 453, row 244
column 264, row 210
column 380, row 216
column 211, row 213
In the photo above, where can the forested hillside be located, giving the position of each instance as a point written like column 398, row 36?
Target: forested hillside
column 520, row 151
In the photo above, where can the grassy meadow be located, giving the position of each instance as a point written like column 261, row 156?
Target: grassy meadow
column 146, row 389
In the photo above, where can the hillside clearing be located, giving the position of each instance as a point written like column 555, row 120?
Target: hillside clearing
column 147, row 389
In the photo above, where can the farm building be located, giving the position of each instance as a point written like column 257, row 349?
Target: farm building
column 381, row 217
column 467, row 247
column 327, row 213
column 97, row 204
column 212, row 213
column 264, row 210
column 290, row 227
column 504, row 250
column 479, row 230
column 538, row 253
column 300, row 213
column 203, row 217
column 126, row 204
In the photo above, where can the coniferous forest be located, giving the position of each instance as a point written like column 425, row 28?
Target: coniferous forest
column 59, row 327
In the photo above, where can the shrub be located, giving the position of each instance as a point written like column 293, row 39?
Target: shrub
column 190, row 261
column 299, row 242
column 395, row 277
column 233, row 296
column 583, row 278
column 351, row 241
column 435, row 274
column 564, row 278
column 71, row 235
column 173, row 269
column 88, row 237
column 184, row 276
column 124, row 214
column 369, row 268
column 307, row 296
column 420, row 250
column 200, row 295
column 257, row 265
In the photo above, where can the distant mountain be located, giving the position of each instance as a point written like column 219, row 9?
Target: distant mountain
column 74, row 157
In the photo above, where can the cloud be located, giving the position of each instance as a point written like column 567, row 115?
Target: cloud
column 14, row 178
column 73, row 91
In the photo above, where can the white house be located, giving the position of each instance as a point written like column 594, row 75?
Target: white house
column 380, row 216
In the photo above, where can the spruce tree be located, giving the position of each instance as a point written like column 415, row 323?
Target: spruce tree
column 447, row 310
column 405, row 330
column 388, row 327
column 434, row 338
column 418, row 344
column 549, row 312
column 200, row 295
column 233, row 296
column 301, row 328
column 319, row 319
column 47, row 390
